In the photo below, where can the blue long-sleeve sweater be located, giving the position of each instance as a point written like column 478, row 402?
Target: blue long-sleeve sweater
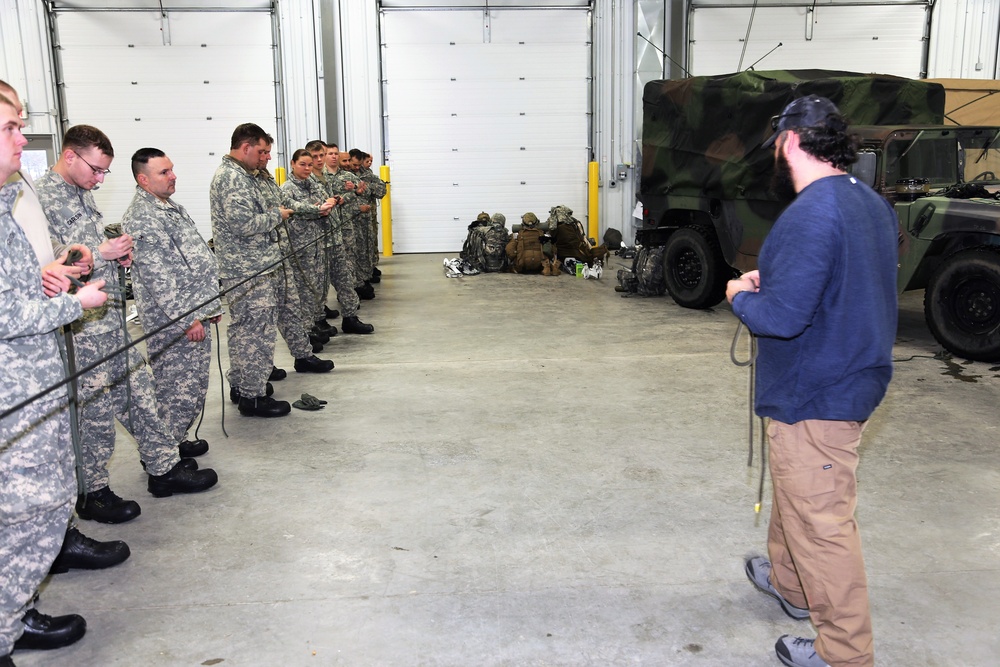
column 825, row 315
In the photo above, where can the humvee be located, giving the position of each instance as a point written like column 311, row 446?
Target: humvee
column 704, row 190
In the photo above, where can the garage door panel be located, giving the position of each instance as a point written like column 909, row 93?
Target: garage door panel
column 170, row 106
column 455, row 147
column 482, row 97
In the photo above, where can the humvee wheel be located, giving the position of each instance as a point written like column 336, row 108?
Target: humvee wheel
column 962, row 304
column 694, row 269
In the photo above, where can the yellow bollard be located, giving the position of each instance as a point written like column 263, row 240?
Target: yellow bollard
column 593, row 182
column 279, row 175
column 383, row 173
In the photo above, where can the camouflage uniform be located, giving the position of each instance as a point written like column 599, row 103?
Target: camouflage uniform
column 292, row 323
column 173, row 272
column 121, row 387
column 246, row 246
column 376, row 190
column 307, row 231
column 350, row 219
column 338, row 264
column 36, row 452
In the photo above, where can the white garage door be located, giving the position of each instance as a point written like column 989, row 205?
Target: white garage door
column 883, row 38
column 181, row 85
column 485, row 110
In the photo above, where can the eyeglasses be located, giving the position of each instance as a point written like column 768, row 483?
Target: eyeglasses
column 97, row 170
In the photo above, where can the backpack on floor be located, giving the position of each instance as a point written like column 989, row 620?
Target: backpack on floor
column 648, row 270
column 525, row 251
column 485, row 245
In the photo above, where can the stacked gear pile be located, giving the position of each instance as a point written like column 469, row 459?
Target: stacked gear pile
column 485, row 245
column 571, row 239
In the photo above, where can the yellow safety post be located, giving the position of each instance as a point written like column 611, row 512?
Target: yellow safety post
column 279, row 175
column 383, row 173
column 593, row 182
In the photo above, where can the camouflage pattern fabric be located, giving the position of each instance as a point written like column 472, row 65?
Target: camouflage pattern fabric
column 243, row 222
column 694, row 144
column 36, row 453
column 339, row 268
column 306, row 230
column 377, row 190
column 291, row 321
column 173, row 272
column 350, row 216
column 74, row 218
column 252, row 333
column 104, row 397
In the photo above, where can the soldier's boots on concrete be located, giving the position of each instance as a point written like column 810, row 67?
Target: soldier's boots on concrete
column 366, row 292
column 234, row 394
column 353, row 325
column 313, row 364
column 191, row 448
column 105, row 506
column 42, row 632
column 264, row 406
column 330, row 313
column 376, row 277
column 80, row 552
column 277, row 374
column 376, row 272
column 181, row 479
column 323, row 326
column 546, row 267
column 317, row 342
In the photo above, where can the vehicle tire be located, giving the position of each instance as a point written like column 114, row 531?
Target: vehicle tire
column 962, row 304
column 694, row 269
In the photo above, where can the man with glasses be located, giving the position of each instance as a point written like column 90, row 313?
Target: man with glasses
column 122, row 386
column 823, row 307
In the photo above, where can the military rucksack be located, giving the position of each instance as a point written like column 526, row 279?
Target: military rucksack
column 648, row 270
column 485, row 245
column 525, row 252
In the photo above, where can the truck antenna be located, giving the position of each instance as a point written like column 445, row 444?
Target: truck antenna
column 750, row 69
column 664, row 54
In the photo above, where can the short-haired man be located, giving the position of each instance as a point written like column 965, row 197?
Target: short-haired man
column 122, row 386
column 244, row 225
column 823, row 307
column 78, row 551
column 36, row 453
column 349, row 187
column 376, row 190
column 175, row 277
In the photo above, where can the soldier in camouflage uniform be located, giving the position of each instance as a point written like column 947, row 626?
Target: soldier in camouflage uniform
column 36, row 456
column 293, row 324
column 122, row 386
column 338, row 262
column 175, row 276
column 307, row 230
column 245, row 223
column 377, row 189
column 351, row 189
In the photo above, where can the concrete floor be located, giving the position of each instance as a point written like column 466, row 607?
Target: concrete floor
column 522, row 470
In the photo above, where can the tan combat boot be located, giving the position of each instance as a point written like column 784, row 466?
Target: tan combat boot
column 546, row 267
column 555, row 266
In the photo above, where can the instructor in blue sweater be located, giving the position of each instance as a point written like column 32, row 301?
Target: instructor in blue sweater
column 823, row 306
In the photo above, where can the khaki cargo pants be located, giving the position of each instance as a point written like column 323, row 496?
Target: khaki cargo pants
column 813, row 539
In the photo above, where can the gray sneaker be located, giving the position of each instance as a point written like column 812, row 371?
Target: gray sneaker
column 798, row 652
column 758, row 571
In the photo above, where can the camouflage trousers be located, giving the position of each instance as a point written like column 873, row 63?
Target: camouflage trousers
column 374, row 239
column 363, row 239
column 342, row 279
column 180, row 372
column 309, row 269
column 116, row 390
column 252, row 332
column 291, row 323
column 37, row 488
column 349, row 234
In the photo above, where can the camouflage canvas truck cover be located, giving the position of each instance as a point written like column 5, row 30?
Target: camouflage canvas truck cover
column 705, row 188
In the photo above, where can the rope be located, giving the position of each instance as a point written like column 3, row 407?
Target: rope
column 751, row 362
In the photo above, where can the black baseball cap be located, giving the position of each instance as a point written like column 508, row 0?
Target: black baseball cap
column 808, row 111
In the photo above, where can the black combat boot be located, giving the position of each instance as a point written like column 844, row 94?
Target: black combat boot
column 277, row 374
column 105, row 506
column 366, row 292
column 42, row 633
column 353, row 325
column 322, row 326
column 80, row 552
column 264, row 406
column 331, row 314
column 313, row 364
column 234, row 394
column 181, row 479
column 191, row 448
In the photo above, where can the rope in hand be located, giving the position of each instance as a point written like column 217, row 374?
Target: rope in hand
column 751, row 362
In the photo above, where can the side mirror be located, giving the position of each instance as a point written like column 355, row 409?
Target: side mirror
column 866, row 168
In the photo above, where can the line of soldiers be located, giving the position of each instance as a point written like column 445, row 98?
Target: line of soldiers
column 57, row 242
